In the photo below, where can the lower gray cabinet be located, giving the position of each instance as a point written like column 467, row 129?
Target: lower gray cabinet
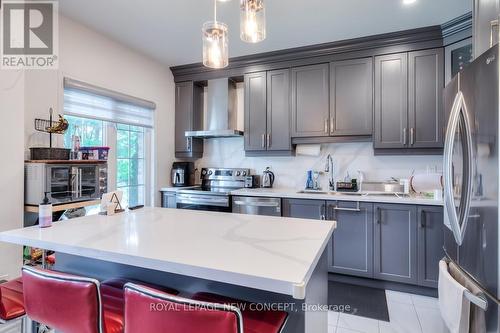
column 430, row 244
column 304, row 209
column 395, row 243
column 351, row 248
column 168, row 199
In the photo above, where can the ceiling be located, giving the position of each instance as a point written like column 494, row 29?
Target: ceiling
column 170, row 30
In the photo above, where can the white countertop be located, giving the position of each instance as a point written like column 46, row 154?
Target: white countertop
column 292, row 193
column 268, row 253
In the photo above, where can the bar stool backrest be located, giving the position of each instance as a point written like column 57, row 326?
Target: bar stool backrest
column 148, row 310
column 64, row 302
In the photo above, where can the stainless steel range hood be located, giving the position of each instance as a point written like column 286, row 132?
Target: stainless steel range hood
column 220, row 119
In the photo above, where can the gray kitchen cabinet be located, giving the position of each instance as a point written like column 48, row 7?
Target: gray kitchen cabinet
column 310, row 101
column 255, row 112
column 267, row 113
column 278, row 110
column 168, row 199
column 351, row 97
column 304, row 208
column 408, row 100
column 391, row 101
column 188, row 117
column 430, row 244
column 425, row 98
column 351, row 248
column 395, row 243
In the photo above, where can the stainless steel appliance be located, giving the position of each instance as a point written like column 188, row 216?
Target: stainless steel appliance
column 257, row 206
column 64, row 182
column 252, row 181
column 267, row 178
column 214, row 192
column 182, row 174
column 471, row 176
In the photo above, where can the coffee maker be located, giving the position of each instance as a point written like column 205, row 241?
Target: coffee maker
column 182, row 174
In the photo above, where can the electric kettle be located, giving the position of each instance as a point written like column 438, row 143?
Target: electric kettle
column 267, row 178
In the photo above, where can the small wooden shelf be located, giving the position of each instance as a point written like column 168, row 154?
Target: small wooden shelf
column 67, row 161
column 63, row 207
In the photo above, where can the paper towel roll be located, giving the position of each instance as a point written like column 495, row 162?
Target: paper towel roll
column 426, row 182
column 308, row 150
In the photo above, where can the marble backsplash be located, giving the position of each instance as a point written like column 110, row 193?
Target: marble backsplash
column 291, row 172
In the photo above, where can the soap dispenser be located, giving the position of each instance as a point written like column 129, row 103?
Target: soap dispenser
column 45, row 213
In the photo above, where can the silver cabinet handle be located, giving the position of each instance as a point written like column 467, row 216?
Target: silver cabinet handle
column 404, row 136
column 263, row 138
column 357, row 209
column 323, row 213
column 326, row 125
column 268, row 140
column 188, row 143
column 332, row 123
column 412, row 136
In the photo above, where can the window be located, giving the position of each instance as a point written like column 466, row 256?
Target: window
column 123, row 123
column 130, row 162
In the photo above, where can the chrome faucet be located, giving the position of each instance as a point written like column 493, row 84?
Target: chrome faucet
column 331, row 170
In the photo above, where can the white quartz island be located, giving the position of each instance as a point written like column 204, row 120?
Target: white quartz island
column 269, row 258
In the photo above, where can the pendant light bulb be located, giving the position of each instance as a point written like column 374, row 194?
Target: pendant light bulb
column 215, row 43
column 252, row 21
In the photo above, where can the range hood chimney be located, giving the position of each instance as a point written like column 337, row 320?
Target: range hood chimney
column 220, row 120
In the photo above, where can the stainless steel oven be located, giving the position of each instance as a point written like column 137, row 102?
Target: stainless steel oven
column 214, row 192
column 63, row 183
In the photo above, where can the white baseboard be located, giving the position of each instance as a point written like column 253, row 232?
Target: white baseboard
column 4, row 277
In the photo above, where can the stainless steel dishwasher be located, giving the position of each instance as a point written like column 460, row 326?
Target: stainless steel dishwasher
column 257, row 206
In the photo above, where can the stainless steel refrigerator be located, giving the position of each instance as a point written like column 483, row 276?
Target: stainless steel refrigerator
column 471, row 176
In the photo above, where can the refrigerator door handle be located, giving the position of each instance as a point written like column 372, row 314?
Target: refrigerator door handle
column 458, row 222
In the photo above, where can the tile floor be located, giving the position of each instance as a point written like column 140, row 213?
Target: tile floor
column 408, row 313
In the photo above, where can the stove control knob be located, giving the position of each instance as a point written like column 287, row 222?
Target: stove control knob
column 203, row 172
column 238, row 173
column 244, row 173
column 210, row 172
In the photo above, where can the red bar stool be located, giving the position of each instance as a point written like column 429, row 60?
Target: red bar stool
column 149, row 311
column 12, row 302
column 70, row 303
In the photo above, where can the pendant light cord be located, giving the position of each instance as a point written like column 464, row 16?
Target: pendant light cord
column 215, row 10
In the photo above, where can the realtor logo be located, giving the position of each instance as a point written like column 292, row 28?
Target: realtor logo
column 29, row 34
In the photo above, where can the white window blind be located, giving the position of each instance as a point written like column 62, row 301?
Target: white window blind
column 88, row 101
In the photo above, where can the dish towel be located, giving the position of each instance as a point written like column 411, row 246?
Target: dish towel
column 455, row 308
column 477, row 315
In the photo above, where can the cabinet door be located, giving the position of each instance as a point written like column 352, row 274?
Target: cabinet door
column 351, row 97
column 351, row 248
column 188, row 111
column 304, row 209
column 391, row 101
column 430, row 244
column 425, row 111
column 310, row 101
column 255, row 112
column 395, row 243
column 278, row 110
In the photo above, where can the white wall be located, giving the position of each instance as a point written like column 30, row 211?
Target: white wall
column 93, row 58
column 12, row 171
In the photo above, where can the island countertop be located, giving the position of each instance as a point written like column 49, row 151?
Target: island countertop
column 268, row 253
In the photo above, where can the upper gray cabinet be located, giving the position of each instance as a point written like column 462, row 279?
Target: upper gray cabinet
column 267, row 113
column 278, row 110
column 255, row 112
column 188, row 117
column 408, row 100
column 351, row 97
column 310, row 101
column 425, row 98
column 391, row 101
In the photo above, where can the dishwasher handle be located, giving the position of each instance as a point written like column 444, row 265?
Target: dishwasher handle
column 256, row 203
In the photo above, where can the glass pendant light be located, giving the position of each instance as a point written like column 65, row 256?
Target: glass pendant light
column 252, row 21
column 215, row 43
